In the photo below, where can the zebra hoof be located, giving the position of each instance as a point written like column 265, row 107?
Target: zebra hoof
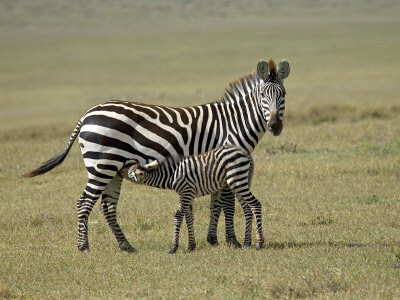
column 83, row 248
column 212, row 240
column 259, row 245
column 173, row 250
column 125, row 246
column 247, row 244
column 234, row 243
column 192, row 247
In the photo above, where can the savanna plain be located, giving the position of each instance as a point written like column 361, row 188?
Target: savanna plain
column 329, row 185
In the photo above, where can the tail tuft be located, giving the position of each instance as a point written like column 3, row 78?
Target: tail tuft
column 48, row 165
column 56, row 160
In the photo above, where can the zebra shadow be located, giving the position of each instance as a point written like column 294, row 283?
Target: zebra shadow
column 293, row 244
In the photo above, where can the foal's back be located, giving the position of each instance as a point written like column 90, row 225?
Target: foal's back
column 213, row 170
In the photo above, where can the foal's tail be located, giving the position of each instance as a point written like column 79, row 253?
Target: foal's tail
column 57, row 160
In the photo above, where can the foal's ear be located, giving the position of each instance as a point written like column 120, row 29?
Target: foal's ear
column 154, row 163
column 283, row 69
column 263, row 70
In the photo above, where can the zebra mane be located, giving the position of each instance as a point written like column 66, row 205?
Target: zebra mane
column 273, row 72
column 240, row 87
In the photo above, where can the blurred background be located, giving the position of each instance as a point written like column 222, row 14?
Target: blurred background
column 59, row 58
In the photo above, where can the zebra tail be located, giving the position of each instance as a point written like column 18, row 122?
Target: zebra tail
column 56, row 160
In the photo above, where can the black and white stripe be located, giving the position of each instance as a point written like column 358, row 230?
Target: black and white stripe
column 115, row 133
column 226, row 167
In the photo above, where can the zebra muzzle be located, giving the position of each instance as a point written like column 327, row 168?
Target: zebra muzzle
column 275, row 124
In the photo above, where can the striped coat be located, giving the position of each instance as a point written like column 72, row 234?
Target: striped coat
column 227, row 166
column 116, row 133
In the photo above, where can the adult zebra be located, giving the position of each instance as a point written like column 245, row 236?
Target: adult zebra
column 227, row 166
column 115, row 133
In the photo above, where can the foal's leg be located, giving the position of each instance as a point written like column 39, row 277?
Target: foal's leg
column 222, row 199
column 248, row 215
column 109, row 209
column 185, row 200
column 240, row 186
column 189, row 222
column 228, row 205
column 215, row 212
column 255, row 206
column 247, row 211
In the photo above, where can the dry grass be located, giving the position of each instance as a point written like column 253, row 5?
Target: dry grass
column 329, row 185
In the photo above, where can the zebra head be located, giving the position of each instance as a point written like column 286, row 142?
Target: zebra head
column 271, row 93
column 137, row 173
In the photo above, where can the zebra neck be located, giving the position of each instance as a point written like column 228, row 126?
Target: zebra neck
column 244, row 122
column 161, row 177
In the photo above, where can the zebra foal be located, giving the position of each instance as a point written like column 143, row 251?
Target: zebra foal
column 194, row 176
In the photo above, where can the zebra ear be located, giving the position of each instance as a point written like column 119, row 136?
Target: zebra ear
column 152, row 164
column 263, row 70
column 283, row 69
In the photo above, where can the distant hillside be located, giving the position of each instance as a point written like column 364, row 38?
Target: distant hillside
column 54, row 15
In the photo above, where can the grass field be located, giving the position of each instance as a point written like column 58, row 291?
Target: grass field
column 329, row 185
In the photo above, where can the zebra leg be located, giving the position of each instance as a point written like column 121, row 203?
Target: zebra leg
column 228, row 205
column 85, row 204
column 255, row 207
column 226, row 200
column 215, row 212
column 189, row 222
column 249, row 220
column 184, row 206
column 247, row 210
column 256, row 210
column 108, row 207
